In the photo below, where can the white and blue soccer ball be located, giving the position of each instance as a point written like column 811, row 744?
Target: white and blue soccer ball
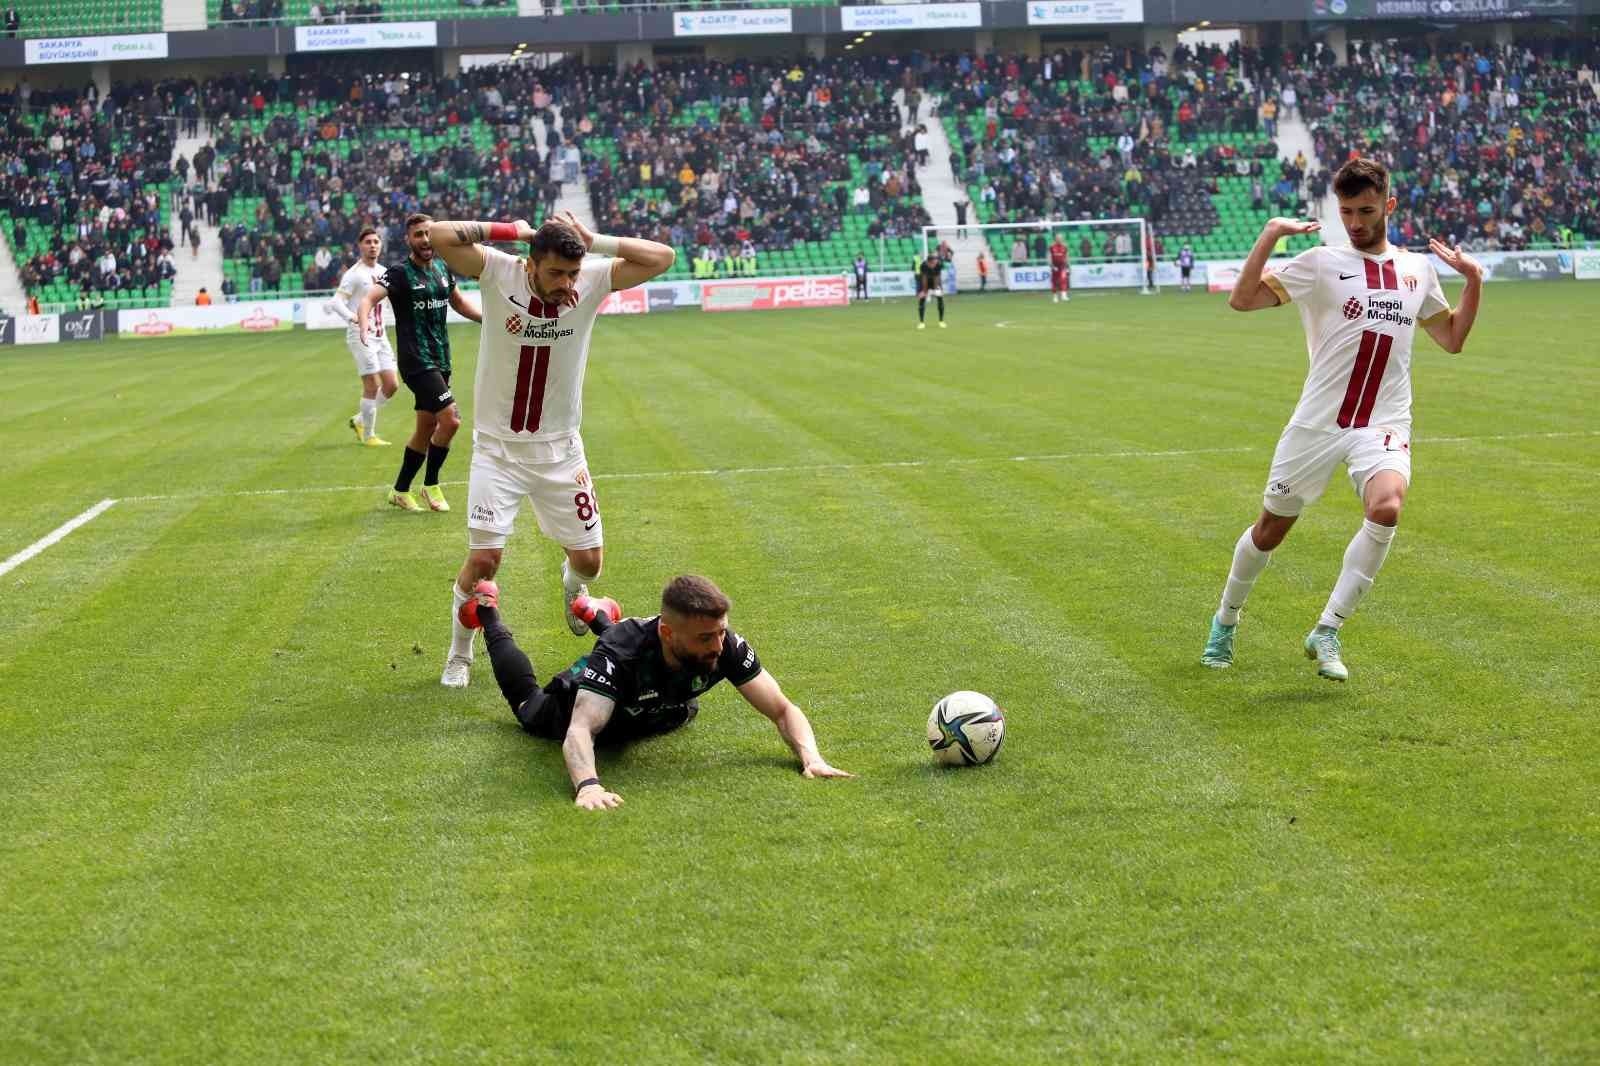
column 965, row 729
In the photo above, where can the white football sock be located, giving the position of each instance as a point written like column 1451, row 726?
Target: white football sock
column 572, row 582
column 1248, row 562
column 460, row 635
column 369, row 415
column 1362, row 560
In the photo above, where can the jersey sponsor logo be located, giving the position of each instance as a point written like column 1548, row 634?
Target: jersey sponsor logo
column 1352, row 309
column 544, row 330
column 514, row 324
column 424, row 303
column 1385, row 309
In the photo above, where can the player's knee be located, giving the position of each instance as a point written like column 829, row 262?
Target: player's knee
column 1385, row 511
column 586, row 561
column 481, row 563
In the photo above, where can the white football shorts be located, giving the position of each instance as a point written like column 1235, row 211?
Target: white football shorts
column 553, row 475
column 372, row 359
column 1305, row 459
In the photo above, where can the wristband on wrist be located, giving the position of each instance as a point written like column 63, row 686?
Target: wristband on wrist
column 604, row 244
column 502, row 231
column 585, row 783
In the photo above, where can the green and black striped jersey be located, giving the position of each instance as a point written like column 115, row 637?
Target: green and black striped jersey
column 420, row 296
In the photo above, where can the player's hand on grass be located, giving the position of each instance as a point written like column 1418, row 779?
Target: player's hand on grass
column 584, row 232
column 1456, row 259
column 1293, row 227
column 596, row 798
column 820, row 768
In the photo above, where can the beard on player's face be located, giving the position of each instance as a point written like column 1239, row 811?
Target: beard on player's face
column 553, row 280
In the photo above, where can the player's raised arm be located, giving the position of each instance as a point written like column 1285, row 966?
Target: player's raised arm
column 374, row 296
column 1250, row 293
column 457, row 242
column 1449, row 328
column 638, row 260
column 590, row 713
column 762, row 693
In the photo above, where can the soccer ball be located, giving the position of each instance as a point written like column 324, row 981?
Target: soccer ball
column 965, row 729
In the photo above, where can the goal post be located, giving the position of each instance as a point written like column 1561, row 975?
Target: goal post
column 1104, row 253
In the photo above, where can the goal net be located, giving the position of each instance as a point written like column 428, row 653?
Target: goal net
column 1103, row 254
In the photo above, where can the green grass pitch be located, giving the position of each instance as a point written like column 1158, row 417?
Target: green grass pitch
column 241, row 822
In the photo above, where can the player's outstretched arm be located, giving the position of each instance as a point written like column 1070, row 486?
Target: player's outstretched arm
column 762, row 693
column 590, row 713
column 374, row 296
column 1250, row 293
column 458, row 242
column 638, row 260
column 1450, row 331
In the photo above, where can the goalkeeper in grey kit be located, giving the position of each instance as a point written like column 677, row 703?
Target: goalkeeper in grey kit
column 645, row 676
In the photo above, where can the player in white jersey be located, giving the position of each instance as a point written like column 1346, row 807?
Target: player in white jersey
column 1360, row 306
column 538, row 315
column 375, row 361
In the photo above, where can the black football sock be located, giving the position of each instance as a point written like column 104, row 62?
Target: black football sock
column 436, row 457
column 512, row 670
column 922, row 309
column 411, row 461
column 941, row 309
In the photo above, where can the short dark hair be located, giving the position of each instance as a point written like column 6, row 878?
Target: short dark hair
column 413, row 219
column 692, row 596
column 563, row 240
column 367, row 231
column 1359, row 175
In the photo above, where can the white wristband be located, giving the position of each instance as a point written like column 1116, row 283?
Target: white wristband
column 604, row 245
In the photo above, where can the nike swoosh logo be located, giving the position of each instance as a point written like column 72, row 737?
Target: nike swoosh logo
column 590, row 526
column 1346, row 277
column 513, row 300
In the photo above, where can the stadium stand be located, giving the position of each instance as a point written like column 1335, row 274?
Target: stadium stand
column 807, row 164
column 1113, row 133
column 1495, row 148
column 803, row 163
column 57, row 18
column 83, row 197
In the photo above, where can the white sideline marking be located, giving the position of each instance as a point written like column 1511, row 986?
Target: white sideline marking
column 54, row 535
column 810, row 468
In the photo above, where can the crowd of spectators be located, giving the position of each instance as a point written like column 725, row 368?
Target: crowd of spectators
column 1492, row 147
column 1110, row 132
column 87, row 173
column 729, row 159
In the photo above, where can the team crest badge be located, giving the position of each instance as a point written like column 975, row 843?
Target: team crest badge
column 514, row 324
column 1411, row 282
column 1352, row 309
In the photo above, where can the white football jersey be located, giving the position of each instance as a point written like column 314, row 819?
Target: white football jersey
column 532, row 354
column 1360, row 313
column 353, row 286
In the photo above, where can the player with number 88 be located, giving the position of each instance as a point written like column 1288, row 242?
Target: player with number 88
column 538, row 314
